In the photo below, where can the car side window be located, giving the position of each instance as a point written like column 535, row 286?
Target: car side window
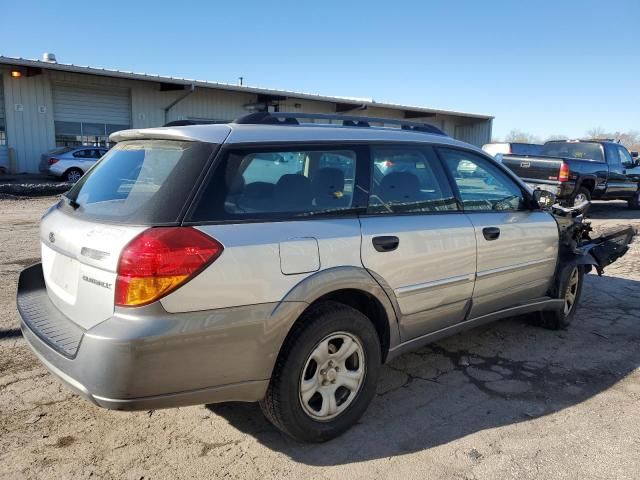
column 80, row 153
column 253, row 184
column 625, row 157
column 408, row 180
column 481, row 183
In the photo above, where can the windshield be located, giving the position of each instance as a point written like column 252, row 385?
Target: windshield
column 581, row 150
column 141, row 182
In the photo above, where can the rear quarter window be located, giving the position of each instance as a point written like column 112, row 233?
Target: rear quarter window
column 290, row 182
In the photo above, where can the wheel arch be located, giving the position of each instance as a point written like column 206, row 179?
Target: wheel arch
column 354, row 287
column 588, row 182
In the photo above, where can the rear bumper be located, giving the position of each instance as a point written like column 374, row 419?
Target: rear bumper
column 560, row 190
column 146, row 358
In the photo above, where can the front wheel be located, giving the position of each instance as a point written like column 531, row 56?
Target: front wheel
column 569, row 290
column 326, row 374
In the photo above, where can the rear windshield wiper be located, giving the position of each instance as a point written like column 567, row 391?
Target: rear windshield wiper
column 72, row 203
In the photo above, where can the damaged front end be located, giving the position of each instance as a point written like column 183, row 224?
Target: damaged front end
column 578, row 248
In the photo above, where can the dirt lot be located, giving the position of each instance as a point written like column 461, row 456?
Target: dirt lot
column 507, row 400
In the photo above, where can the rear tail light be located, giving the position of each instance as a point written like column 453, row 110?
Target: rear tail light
column 564, row 172
column 53, row 160
column 388, row 163
column 159, row 260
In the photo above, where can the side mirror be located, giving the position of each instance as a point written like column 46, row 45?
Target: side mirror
column 544, row 198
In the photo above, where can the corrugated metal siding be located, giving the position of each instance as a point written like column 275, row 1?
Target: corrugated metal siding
column 149, row 104
column 477, row 133
column 99, row 104
column 211, row 105
column 1, row 96
column 4, row 153
column 29, row 127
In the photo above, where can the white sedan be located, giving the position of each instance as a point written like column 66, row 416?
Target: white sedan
column 69, row 163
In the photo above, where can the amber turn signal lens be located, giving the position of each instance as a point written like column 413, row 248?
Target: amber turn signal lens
column 159, row 260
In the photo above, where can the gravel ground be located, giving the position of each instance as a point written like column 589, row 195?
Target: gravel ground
column 507, row 400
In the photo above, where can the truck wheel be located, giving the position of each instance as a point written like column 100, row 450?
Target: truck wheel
column 581, row 195
column 569, row 290
column 325, row 375
column 634, row 202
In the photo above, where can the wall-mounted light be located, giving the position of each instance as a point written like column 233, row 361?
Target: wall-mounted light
column 16, row 73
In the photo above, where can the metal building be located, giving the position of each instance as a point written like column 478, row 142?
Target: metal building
column 45, row 104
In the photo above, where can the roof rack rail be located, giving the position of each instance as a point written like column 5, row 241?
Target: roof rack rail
column 291, row 118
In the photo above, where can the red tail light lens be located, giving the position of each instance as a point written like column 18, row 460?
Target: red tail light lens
column 388, row 163
column 53, row 160
column 159, row 260
column 564, row 172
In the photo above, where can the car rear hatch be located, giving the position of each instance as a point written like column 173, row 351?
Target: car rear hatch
column 139, row 184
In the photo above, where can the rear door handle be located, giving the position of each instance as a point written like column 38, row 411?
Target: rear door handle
column 491, row 233
column 385, row 243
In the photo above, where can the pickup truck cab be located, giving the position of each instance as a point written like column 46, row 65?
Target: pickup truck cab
column 580, row 170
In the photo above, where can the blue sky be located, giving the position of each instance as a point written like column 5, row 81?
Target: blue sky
column 545, row 67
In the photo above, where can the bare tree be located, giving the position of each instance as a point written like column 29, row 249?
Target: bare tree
column 597, row 133
column 521, row 137
column 556, row 137
column 630, row 139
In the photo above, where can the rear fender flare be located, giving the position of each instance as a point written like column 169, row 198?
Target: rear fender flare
column 582, row 179
column 349, row 277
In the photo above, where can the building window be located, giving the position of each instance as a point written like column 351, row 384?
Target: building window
column 3, row 133
column 77, row 134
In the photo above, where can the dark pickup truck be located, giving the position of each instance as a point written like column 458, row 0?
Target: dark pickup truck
column 576, row 171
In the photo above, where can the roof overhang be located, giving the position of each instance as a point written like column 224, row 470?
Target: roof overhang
column 173, row 83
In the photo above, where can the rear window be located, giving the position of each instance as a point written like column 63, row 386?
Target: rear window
column 140, row 182
column 525, row 149
column 580, row 150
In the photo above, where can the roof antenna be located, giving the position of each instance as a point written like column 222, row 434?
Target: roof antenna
column 240, row 80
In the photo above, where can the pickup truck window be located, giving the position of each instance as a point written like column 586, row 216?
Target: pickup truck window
column 580, row 150
column 625, row 157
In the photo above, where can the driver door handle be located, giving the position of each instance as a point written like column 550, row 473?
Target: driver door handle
column 491, row 233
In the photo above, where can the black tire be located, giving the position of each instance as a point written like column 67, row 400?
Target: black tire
column 282, row 404
column 560, row 320
column 634, row 202
column 73, row 175
column 581, row 192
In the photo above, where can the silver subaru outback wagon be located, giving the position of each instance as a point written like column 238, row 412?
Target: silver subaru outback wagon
column 273, row 261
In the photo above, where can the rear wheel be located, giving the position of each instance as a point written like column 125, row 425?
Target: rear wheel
column 73, row 175
column 326, row 374
column 569, row 290
column 634, row 202
column 582, row 195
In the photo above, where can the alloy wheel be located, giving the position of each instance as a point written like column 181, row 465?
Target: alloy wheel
column 332, row 376
column 579, row 198
column 571, row 291
column 73, row 176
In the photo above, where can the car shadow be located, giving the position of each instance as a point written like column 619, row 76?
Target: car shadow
column 492, row 376
column 612, row 210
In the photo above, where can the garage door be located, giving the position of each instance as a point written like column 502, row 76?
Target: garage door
column 87, row 115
